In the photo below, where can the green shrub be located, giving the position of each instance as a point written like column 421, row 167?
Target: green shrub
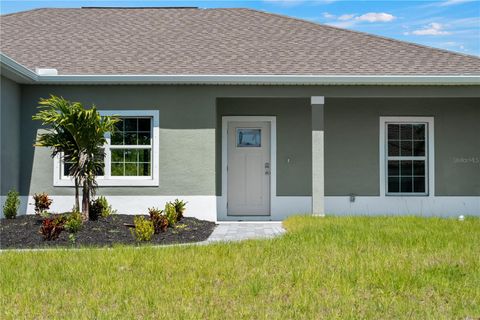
column 143, row 230
column 179, row 208
column 159, row 220
column 42, row 202
column 100, row 208
column 170, row 214
column 52, row 227
column 74, row 222
column 12, row 203
column 45, row 214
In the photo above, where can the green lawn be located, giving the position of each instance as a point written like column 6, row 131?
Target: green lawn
column 421, row 268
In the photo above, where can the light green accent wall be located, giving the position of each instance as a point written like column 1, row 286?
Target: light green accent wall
column 187, row 137
column 294, row 139
column 10, row 97
column 352, row 143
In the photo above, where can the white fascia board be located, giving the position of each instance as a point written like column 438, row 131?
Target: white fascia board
column 262, row 79
column 24, row 74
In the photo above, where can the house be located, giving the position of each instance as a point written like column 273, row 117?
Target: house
column 246, row 115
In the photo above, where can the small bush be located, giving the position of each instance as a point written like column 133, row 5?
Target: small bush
column 143, row 229
column 170, row 214
column 42, row 202
column 52, row 227
column 74, row 222
column 160, row 222
column 45, row 214
column 179, row 208
column 100, row 208
column 12, row 203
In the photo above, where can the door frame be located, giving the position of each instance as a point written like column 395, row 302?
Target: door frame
column 222, row 212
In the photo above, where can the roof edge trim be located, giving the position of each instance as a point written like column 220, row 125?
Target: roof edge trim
column 28, row 76
column 25, row 74
column 264, row 79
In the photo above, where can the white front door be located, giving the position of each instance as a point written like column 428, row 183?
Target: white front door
column 248, row 168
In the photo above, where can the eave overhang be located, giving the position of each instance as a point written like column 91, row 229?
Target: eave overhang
column 19, row 73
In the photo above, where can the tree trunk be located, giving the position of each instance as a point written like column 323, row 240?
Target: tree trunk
column 77, row 195
column 85, row 201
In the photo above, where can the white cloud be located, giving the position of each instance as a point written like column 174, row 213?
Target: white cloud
column 433, row 29
column 327, row 15
column 452, row 2
column 348, row 20
column 345, row 17
column 376, row 17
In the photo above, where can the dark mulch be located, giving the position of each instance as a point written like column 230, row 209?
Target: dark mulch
column 23, row 232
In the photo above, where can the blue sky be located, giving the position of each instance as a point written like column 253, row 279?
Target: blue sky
column 448, row 24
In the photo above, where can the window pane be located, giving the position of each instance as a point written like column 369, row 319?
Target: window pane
column 144, row 155
column 393, row 168
column 131, row 155
column 248, row 138
column 419, row 148
column 66, row 168
column 406, row 132
column 130, row 124
column 419, row 168
column 117, row 155
column 130, row 138
column 419, row 184
column 144, row 124
column 406, row 184
column 132, row 162
column 393, row 132
column 117, row 138
column 406, row 148
column 144, row 138
column 419, row 132
column 144, row 169
column 393, row 184
column 393, row 148
column 131, row 169
column 405, row 168
column 119, row 125
column 117, row 169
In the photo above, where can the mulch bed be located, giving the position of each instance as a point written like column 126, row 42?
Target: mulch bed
column 23, row 232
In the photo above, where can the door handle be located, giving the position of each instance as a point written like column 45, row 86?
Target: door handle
column 267, row 168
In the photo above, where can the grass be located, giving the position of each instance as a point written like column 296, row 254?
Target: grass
column 383, row 268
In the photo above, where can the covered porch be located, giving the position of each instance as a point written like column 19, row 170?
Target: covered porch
column 270, row 158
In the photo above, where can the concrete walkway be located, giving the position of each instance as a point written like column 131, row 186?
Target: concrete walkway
column 235, row 231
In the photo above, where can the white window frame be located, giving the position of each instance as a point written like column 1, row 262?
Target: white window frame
column 59, row 180
column 429, row 154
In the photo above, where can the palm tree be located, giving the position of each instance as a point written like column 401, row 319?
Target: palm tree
column 77, row 135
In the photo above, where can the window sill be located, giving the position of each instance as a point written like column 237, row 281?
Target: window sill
column 112, row 183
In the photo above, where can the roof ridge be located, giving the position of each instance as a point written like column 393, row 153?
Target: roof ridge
column 364, row 33
column 27, row 10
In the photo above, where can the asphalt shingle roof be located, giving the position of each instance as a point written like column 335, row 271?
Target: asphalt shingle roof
column 210, row 41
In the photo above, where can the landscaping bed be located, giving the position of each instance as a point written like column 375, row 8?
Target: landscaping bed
column 23, row 232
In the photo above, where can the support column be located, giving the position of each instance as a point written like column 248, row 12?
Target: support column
column 318, row 187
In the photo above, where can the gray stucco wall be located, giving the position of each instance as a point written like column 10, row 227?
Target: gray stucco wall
column 187, row 137
column 189, row 156
column 352, row 143
column 10, row 98
column 294, row 139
